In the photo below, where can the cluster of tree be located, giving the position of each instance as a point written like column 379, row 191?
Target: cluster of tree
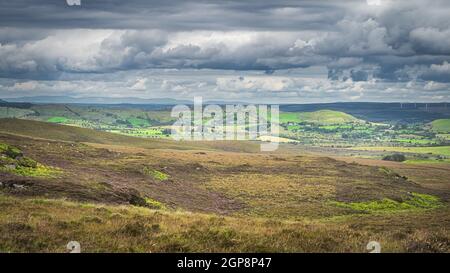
column 395, row 157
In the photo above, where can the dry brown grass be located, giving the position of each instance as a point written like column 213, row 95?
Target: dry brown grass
column 39, row 225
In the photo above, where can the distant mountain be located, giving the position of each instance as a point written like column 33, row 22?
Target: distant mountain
column 327, row 117
column 380, row 112
column 96, row 100
column 4, row 103
column 222, row 102
column 103, row 100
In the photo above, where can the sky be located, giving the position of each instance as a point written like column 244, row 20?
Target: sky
column 240, row 50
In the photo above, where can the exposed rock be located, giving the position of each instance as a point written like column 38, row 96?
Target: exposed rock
column 19, row 187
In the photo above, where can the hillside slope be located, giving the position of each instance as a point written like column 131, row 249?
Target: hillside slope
column 441, row 126
column 44, row 130
column 266, row 185
column 325, row 117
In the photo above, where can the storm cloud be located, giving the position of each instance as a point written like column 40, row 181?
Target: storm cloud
column 334, row 50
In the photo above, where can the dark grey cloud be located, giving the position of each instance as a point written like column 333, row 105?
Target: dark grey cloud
column 173, row 14
column 398, row 41
column 328, row 33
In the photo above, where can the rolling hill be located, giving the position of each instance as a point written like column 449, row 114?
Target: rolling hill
column 97, row 100
column 441, row 126
column 380, row 112
column 323, row 117
column 50, row 131
column 12, row 112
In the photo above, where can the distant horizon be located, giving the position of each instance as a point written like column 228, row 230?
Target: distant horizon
column 128, row 100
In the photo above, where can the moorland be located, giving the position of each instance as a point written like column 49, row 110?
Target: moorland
column 111, row 178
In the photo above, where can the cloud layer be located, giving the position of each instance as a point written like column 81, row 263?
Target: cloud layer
column 299, row 50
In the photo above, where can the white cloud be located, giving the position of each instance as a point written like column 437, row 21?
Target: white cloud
column 374, row 2
column 443, row 68
column 263, row 83
column 141, row 84
column 432, row 86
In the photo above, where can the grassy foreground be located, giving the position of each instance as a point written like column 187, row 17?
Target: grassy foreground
column 40, row 225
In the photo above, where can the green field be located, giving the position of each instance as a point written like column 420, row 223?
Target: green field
column 441, row 150
column 138, row 122
column 427, row 161
column 58, row 120
column 327, row 117
column 286, row 117
column 441, row 126
column 337, row 129
column 322, row 117
column 152, row 132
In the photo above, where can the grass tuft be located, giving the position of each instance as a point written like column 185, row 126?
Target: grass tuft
column 39, row 171
column 153, row 204
column 415, row 201
column 10, row 151
column 13, row 161
column 155, row 174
